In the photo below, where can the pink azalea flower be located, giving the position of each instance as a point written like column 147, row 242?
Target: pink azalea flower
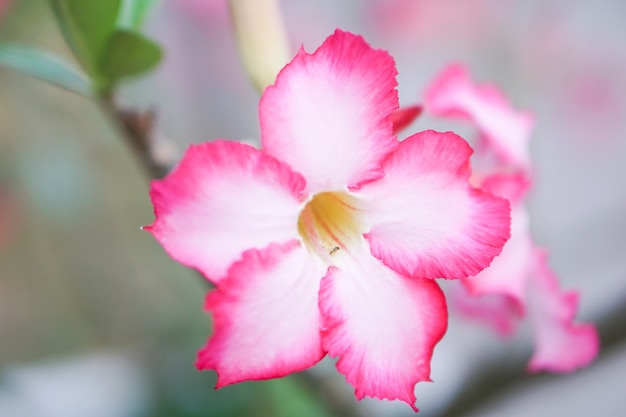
column 520, row 275
column 327, row 240
column 505, row 130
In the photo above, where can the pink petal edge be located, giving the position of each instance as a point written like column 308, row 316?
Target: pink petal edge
column 560, row 344
column 509, row 272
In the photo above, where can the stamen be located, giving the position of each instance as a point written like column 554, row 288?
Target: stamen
column 329, row 223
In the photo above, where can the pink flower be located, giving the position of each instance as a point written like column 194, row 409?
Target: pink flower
column 4, row 5
column 505, row 130
column 520, row 275
column 327, row 239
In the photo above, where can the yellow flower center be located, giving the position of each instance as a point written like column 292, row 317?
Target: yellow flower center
column 329, row 222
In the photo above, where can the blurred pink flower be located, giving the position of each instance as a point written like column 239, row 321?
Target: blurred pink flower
column 505, row 131
column 432, row 19
column 520, row 275
column 327, row 239
column 4, row 5
column 577, row 68
column 494, row 310
column 210, row 12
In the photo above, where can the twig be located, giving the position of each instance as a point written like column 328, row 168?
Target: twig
column 137, row 128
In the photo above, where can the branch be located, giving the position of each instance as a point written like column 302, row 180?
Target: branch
column 139, row 133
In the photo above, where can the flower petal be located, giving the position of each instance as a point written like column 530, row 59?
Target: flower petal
column 328, row 113
column 453, row 94
column 403, row 117
column 499, row 312
column 426, row 219
column 381, row 325
column 560, row 344
column 508, row 273
column 512, row 186
column 224, row 198
column 266, row 318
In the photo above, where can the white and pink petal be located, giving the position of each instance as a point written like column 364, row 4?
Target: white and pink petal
column 223, row 199
column 266, row 317
column 512, row 186
column 426, row 220
column 328, row 115
column 507, row 131
column 380, row 325
column 561, row 345
column 509, row 272
column 497, row 311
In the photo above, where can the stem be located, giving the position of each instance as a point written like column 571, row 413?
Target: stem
column 137, row 128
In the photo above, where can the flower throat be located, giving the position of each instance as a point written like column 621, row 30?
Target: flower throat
column 329, row 223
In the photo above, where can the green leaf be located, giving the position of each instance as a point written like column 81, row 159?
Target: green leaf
column 133, row 13
column 87, row 26
column 45, row 66
column 129, row 53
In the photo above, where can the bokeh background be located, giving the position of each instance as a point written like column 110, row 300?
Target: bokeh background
column 96, row 320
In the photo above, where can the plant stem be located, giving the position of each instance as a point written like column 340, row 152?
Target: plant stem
column 138, row 131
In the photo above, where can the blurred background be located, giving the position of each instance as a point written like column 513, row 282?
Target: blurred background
column 97, row 321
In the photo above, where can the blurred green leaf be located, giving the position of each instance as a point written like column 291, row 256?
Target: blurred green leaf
column 106, row 51
column 87, row 26
column 129, row 53
column 133, row 13
column 45, row 66
column 291, row 399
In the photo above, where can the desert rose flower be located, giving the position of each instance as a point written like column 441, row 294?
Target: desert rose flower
column 519, row 282
column 327, row 240
column 524, row 280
